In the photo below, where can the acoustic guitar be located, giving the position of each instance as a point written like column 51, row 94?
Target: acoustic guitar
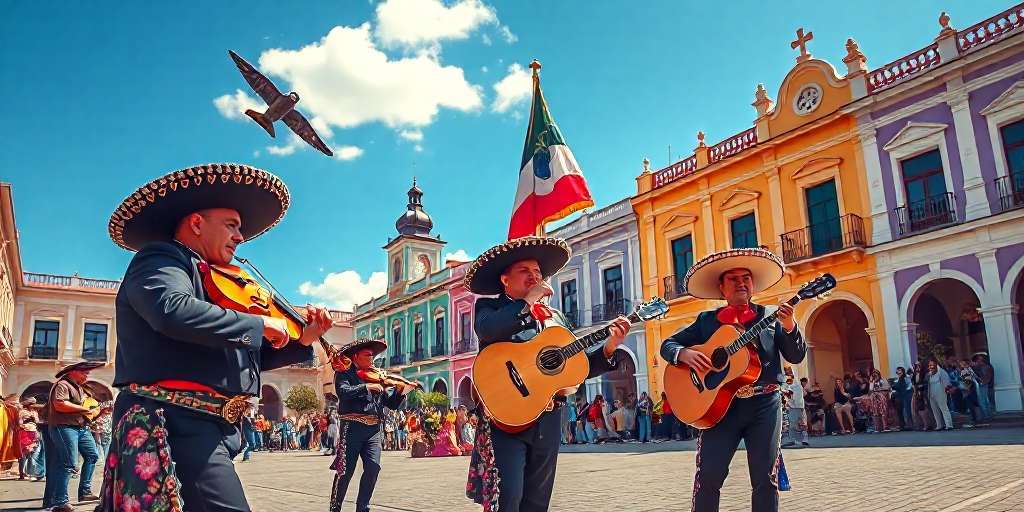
column 701, row 398
column 95, row 407
column 517, row 380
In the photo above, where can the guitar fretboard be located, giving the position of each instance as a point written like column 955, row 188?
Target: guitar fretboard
column 593, row 338
column 751, row 334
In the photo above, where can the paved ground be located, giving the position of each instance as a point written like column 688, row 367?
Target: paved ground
column 979, row 470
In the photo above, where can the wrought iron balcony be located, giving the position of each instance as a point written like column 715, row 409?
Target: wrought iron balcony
column 929, row 213
column 823, row 238
column 97, row 354
column 1010, row 191
column 674, row 288
column 439, row 350
column 610, row 310
column 419, row 354
column 465, row 345
column 397, row 360
column 42, row 352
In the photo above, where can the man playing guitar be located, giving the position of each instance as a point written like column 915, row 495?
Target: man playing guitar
column 70, row 435
column 525, row 461
column 755, row 416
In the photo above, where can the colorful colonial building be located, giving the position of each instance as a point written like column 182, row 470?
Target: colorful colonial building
column 943, row 146
column 464, row 341
column 793, row 183
column 413, row 315
column 600, row 282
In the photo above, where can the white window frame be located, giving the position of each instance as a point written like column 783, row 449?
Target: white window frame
column 815, row 173
column 677, row 227
column 1006, row 109
column 97, row 322
column 905, row 145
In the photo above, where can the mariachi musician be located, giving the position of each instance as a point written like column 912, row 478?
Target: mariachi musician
column 523, row 463
column 756, row 415
column 187, row 366
column 363, row 393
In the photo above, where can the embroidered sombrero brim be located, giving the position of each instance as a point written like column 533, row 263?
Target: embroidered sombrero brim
column 702, row 278
column 153, row 211
column 82, row 365
column 377, row 346
column 484, row 275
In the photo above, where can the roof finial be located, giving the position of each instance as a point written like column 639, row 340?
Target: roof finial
column 801, row 42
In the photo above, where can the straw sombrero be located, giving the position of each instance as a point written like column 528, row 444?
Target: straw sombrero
column 81, row 365
column 702, row 278
column 153, row 211
column 483, row 276
column 377, row 346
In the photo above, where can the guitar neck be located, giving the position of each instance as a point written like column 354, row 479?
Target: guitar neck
column 593, row 338
column 751, row 334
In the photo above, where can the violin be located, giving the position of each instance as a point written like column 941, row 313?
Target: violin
column 233, row 288
column 374, row 375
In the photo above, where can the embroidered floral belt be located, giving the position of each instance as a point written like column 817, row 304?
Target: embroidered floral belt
column 365, row 419
column 230, row 409
column 749, row 391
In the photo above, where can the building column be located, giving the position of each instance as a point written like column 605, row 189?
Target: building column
column 21, row 341
column 709, row 226
column 775, row 195
column 69, row 338
column 634, row 266
column 898, row 345
column 977, row 205
column 908, row 335
column 1003, row 356
column 875, row 362
column 586, row 289
column 880, row 229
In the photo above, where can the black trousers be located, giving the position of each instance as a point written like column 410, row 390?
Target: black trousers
column 361, row 441
column 758, row 422
column 526, row 464
column 202, row 447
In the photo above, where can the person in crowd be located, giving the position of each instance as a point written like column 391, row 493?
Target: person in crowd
column 843, row 407
column 955, row 396
column 969, row 391
column 984, row 372
column 814, row 405
column 571, row 417
column 286, row 434
column 30, row 440
column 617, row 419
column 919, row 400
column 670, row 424
column 10, row 450
column 333, row 432
column 796, row 413
column 643, row 417
column 878, row 404
column 939, row 387
column 595, row 416
column 249, row 431
column 902, row 392
column 629, row 415
column 71, row 436
column 461, row 418
column 584, row 434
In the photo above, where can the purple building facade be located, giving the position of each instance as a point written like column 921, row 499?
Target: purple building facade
column 943, row 146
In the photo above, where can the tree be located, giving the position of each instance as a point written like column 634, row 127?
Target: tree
column 302, row 399
column 419, row 398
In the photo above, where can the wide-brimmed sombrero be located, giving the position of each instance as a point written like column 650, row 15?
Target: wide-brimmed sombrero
column 702, row 278
column 81, row 365
column 153, row 211
column 484, row 275
column 377, row 346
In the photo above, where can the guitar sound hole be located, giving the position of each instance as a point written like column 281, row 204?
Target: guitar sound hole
column 550, row 360
column 719, row 358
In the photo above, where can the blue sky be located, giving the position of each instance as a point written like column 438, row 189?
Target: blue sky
column 101, row 97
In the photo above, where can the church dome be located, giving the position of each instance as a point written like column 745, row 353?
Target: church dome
column 415, row 221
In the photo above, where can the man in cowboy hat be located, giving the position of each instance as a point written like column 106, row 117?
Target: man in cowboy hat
column 185, row 366
column 735, row 276
column 361, row 407
column 69, row 435
column 516, row 271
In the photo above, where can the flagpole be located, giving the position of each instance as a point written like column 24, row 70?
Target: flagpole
column 535, row 66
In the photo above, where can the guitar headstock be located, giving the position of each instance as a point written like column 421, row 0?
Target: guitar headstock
column 821, row 287
column 651, row 309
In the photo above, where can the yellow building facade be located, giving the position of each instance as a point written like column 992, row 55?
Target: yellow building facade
column 793, row 183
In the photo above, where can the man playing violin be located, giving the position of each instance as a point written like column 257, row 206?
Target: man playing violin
column 363, row 393
column 186, row 366
column 523, row 462
column 755, row 415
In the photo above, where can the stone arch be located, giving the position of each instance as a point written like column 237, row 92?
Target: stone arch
column 40, row 390
column 942, row 308
column 271, row 402
column 837, row 332
column 616, row 384
column 99, row 390
column 464, row 393
column 914, row 290
column 440, row 386
column 817, row 306
column 1014, row 279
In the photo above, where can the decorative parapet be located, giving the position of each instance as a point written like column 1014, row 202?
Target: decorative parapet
column 985, row 32
column 903, row 68
column 676, row 171
column 69, row 282
column 733, row 145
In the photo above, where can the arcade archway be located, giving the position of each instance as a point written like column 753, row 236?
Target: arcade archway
column 270, row 403
column 440, row 386
column 949, row 323
column 39, row 390
column 621, row 382
column 839, row 343
column 464, row 393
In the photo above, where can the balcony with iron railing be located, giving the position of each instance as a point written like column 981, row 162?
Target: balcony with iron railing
column 1010, row 191
column 72, row 281
column 466, row 345
column 674, row 288
column 609, row 310
column 930, row 213
column 42, row 352
column 418, row 354
column 397, row 360
column 823, row 238
column 94, row 354
column 439, row 349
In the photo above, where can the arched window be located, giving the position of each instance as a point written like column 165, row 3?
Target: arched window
column 396, row 270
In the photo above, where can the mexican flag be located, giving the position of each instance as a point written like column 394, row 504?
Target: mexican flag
column 551, row 185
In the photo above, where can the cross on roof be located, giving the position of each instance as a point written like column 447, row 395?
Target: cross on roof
column 801, row 41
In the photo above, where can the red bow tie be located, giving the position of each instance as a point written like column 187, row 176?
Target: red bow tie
column 732, row 315
column 541, row 312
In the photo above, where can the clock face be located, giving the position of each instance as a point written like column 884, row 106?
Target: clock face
column 807, row 100
column 421, row 268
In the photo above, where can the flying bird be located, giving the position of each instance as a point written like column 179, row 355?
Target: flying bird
column 279, row 106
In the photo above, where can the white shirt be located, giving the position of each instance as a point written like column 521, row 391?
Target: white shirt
column 797, row 400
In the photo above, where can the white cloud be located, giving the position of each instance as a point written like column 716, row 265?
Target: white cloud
column 345, row 289
column 459, row 255
column 411, row 135
column 256, row 154
column 233, row 106
column 515, row 88
column 348, row 152
column 418, row 148
column 412, row 23
column 283, row 150
column 486, row 39
column 484, row 69
column 507, row 35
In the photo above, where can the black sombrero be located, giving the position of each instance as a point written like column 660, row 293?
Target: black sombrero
column 153, row 211
column 483, row 276
column 702, row 278
column 377, row 346
column 81, row 365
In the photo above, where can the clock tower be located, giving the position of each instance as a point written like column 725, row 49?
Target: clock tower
column 415, row 252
